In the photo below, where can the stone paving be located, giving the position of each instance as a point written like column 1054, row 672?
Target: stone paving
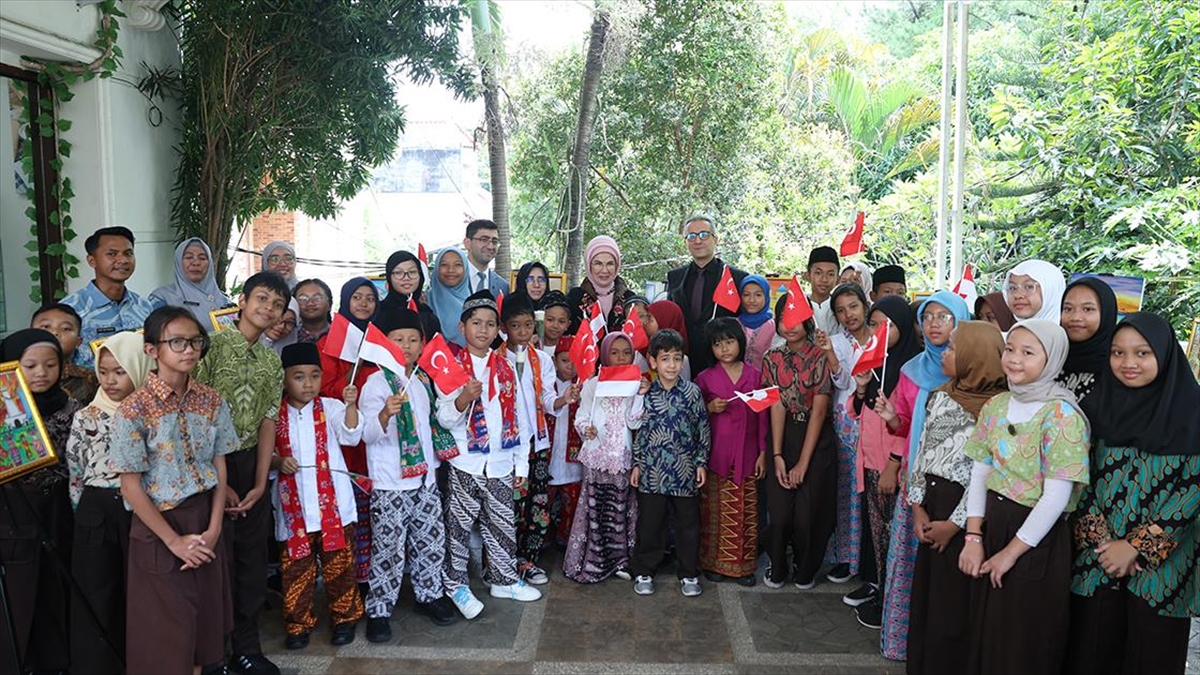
column 605, row 628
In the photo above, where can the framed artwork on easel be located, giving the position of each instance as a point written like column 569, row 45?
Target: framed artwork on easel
column 24, row 444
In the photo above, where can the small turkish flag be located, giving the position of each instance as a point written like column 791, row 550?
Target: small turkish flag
column 874, row 353
column 421, row 254
column 759, row 399
column 796, row 310
column 437, row 362
column 726, row 293
column 584, row 354
column 852, row 244
column 597, row 321
column 633, row 328
column 965, row 287
column 412, row 305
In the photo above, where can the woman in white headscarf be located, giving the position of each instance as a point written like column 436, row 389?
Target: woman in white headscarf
column 280, row 257
column 195, row 287
column 1034, row 290
column 857, row 272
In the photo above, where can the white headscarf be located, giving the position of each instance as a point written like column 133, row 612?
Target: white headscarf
column 269, row 249
column 1053, row 284
column 200, row 297
column 864, row 270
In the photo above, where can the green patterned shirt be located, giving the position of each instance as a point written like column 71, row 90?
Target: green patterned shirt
column 250, row 379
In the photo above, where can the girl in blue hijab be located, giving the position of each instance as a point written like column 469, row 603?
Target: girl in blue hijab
column 448, row 290
column 756, row 318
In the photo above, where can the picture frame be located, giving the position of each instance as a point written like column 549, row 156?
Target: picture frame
column 1130, row 291
column 557, row 282
column 1193, row 348
column 24, row 444
column 223, row 318
column 96, row 344
column 380, row 283
column 779, row 286
column 915, row 296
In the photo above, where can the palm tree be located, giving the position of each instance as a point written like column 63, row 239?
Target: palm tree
column 489, row 54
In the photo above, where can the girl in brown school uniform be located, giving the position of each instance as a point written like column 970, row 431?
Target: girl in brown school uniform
column 169, row 442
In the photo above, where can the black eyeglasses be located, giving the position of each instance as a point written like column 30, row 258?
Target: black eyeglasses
column 701, row 235
column 179, row 345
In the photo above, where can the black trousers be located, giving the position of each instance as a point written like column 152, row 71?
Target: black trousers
column 1114, row 631
column 246, row 543
column 804, row 517
column 37, row 592
column 99, row 563
column 652, row 527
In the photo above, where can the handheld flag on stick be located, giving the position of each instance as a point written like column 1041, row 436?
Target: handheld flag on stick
column 633, row 328
column 797, row 310
column 759, row 399
column 874, row 353
column 445, row 371
column 378, row 349
column 965, row 288
column 584, row 354
column 852, row 244
column 618, row 381
column 726, row 293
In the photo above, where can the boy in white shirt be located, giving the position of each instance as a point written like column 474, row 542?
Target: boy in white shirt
column 535, row 386
column 484, row 415
column 566, row 473
column 314, row 499
column 405, row 446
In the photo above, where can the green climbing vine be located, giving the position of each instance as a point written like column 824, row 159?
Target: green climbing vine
column 58, row 78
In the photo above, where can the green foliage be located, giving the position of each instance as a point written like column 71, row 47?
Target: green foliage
column 288, row 105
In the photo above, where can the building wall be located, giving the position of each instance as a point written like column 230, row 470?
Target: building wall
column 121, row 167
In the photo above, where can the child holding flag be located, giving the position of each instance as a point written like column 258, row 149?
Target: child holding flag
column 566, row 473
column 729, row 498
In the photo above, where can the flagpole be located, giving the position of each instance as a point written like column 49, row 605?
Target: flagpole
column 887, row 337
column 357, row 361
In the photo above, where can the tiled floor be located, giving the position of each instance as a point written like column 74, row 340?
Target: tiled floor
column 605, row 628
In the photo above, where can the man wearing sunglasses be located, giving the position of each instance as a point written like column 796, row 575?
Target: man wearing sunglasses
column 482, row 242
column 692, row 285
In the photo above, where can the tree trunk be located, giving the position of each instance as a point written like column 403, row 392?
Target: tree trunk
column 578, row 176
column 498, row 168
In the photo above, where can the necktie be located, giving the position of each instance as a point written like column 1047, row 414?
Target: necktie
column 482, row 281
column 697, row 294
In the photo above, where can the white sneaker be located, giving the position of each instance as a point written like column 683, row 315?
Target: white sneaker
column 644, row 585
column 466, row 602
column 623, row 574
column 768, row 582
column 520, row 591
column 690, row 587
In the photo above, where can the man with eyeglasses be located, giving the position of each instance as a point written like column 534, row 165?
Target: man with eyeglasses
column 482, row 243
column 692, row 285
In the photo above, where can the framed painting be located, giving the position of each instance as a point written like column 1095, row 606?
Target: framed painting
column 380, row 283
column 779, row 287
column 223, row 318
column 1193, row 348
column 1129, row 290
column 24, row 445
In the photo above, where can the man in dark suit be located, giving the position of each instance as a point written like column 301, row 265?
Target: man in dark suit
column 692, row 286
column 481, row 243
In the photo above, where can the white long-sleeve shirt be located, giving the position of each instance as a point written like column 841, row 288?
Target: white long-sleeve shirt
column 499, row 462
column 383, row 444
column 525, row 390
column 562, row 471
column 303, row 437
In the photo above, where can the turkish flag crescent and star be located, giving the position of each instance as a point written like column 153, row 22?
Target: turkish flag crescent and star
column 378, row 349
column 852, row 244
column 759, row 399
column 874, row 352
column 343, row 340
column 797, row 310
column 437, row 362
column 633, row 328
column 726, row 293
column 584, row 354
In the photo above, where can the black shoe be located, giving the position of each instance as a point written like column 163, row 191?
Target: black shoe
column 840, row 574
column 714, row 577
column 858, row 596
column 343, row 634
column 252, row 664
column 379, row 629
column 215, row 669
column 440, row 611
column 748, row 581
column 298, row 641
column 870, row 614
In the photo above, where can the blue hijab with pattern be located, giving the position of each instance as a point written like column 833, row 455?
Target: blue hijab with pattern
column 925, row 370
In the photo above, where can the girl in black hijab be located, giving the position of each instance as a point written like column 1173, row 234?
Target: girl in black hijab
column 38, row 505
column 537, row 291
column 1089, row 316
column 1134, row 586
column 401, row 286
column 907, row 345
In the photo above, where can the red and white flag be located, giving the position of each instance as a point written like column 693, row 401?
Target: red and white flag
column 597, row 321
column 759, row 399
column 874, row 353
column 633, row 328
column 726, row 293
column 412, row 304
column 852, row 244
column 440, row 365
column 343, row 339
column 499, row 304
column 584, row 354
column 421, row 254
column 381, row 351
column 618, row 381
column 965, row 287
column 796, row 310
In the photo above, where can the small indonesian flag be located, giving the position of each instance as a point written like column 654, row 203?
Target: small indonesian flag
column 726, row 293
column 343, row 340
column 796, row 310
column 759, row 399
column 852, row 244
column 378, row 349
column 412, row 304
column 633, row 328
column 618, row 381
column 421, row 254
column 965, row 287
column 584, row 354
column 441, row 366
column 597, row 321
column 874, row 353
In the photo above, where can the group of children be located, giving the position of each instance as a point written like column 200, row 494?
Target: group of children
column 946, row 479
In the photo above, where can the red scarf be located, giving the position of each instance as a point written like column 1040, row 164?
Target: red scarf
column 290, row 500
column 503, row 381
column 539, row 411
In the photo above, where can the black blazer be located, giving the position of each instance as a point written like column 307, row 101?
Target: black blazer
column 678, row 282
